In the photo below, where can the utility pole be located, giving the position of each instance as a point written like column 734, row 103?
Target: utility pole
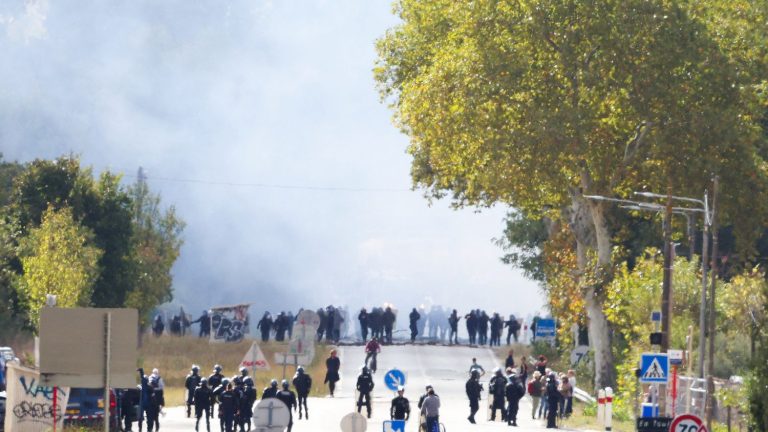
column 712, row 311
column 666, row 291
column 704, row 270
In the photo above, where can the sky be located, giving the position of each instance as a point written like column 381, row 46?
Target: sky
column 260, row 121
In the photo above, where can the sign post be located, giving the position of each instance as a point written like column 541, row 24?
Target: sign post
column 394, row 379
column 687, row 423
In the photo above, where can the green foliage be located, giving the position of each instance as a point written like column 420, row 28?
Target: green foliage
column 156, row 244
column 58, row 258
column 523, row 239
column 757, row 382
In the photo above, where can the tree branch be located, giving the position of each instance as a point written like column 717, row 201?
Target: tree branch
column 551, row 42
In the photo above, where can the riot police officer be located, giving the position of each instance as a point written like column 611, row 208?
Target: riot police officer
column 191, row 383
column 214, row 381
column 364, row 386
column 302, row 382
column 202, row 398
column 270, row 391
column 287, row 397
column 474, row 390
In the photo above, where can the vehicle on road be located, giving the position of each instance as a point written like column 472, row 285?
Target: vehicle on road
column 2, row 410
column 86, row 408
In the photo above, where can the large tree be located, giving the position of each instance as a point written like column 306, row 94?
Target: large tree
column 536, row 103
column 156, row 243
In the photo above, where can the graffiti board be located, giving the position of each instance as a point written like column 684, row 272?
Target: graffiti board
column 29, row 404
column 229, row 323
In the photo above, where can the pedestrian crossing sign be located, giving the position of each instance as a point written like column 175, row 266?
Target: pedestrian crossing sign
column 394, row 426
column 654, row 368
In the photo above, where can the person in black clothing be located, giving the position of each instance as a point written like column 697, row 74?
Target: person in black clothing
column 330, row 313
column 247, row 398
column 228, row 405
column 513, row 328
column 453, row 321
column 271, row 391
column 482, row 327
column 363, row 318
column 214, row 381
column 129, row 403
column 287, row 397
column 401, row 408
column 553, row 400
column 364, row 387
column 302, row 382
column 323, row 323
column 388, row 321
column 514, row 392
column 414, row 319
column 205, row 324
column 497, row 325
column 473, row 389
column 191, row 383
column 158, row 326
column 471, row 322
column 332, row 365
column 509, row 362
column 215, row 393
column 202, row 399
column 281, row 326
column 496, row 387
column 265, row 325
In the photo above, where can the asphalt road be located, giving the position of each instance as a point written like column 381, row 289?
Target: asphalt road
column 445, row 368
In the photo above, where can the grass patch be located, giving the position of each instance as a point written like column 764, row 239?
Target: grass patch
column 174, row 356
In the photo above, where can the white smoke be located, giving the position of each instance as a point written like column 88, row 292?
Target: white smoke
column 28, row 24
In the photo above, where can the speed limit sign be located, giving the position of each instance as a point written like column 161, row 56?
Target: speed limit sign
column 687, row 423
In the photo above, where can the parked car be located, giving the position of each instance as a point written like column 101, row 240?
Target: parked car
column 86, row 408
column 2, row 410
column 6, row 356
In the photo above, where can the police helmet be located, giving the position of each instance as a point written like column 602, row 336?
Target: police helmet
column 217, row 368
column 203, row 382
column 224, row 381
column 300, row 369
column 286, row 384
column 248, row 381
column 236, row 380
column 243, row 371
column 195, row 368
column 364, row 368
column 273, row 383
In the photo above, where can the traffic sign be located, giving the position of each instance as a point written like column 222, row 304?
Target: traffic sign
column 687, row 423
column 675, row 357
column 271, row 414
column 254, row 359
column 579, row 355
column 354, row 422
column 545, row 328
column 394, row 426
column 654, row 368
column 656, row 316
column 394, row 379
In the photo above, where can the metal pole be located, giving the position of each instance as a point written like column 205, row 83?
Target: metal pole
column 704, row 270
column 712, row 311
column 666, row 294
column 691, row 235
column 107, row 361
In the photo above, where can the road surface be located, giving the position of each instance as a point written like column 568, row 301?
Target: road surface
column 445, row 368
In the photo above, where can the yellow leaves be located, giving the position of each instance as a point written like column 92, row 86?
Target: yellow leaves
column 58, row 258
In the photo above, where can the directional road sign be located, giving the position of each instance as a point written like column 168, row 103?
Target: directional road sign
column 545, row 328
column 354, row 422
column 687, row 423
column 394, row 379
column 394, row 426
column 271, row 414
column 654, row 368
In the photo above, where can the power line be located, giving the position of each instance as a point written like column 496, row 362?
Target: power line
column 269, row 185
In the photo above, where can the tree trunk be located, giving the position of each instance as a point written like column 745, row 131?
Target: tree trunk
column 590, row 229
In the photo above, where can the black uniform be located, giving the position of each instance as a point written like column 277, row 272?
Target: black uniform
column 514, row 392
column 473, row 389
column 247, row 398
column 205, row 325
column 400, row 409
column 364, row 386
column 303, row 384
column 191, row 383
column 497, row 387
column 388, row 321
column 363, row 318
column 269, row 392
column 228, row 405
column 332, row 365
column 214, row 381
column 202, row 397
column 414, row 319
column 471, row 322
column 553, row 400
column 289, row 399
column 265, row 325
column 453, row 321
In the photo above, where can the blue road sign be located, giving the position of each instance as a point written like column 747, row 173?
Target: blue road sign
column 394, row 379
column 545, row 328
column 394, row 426
column 654, row 368
column 656, row 316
